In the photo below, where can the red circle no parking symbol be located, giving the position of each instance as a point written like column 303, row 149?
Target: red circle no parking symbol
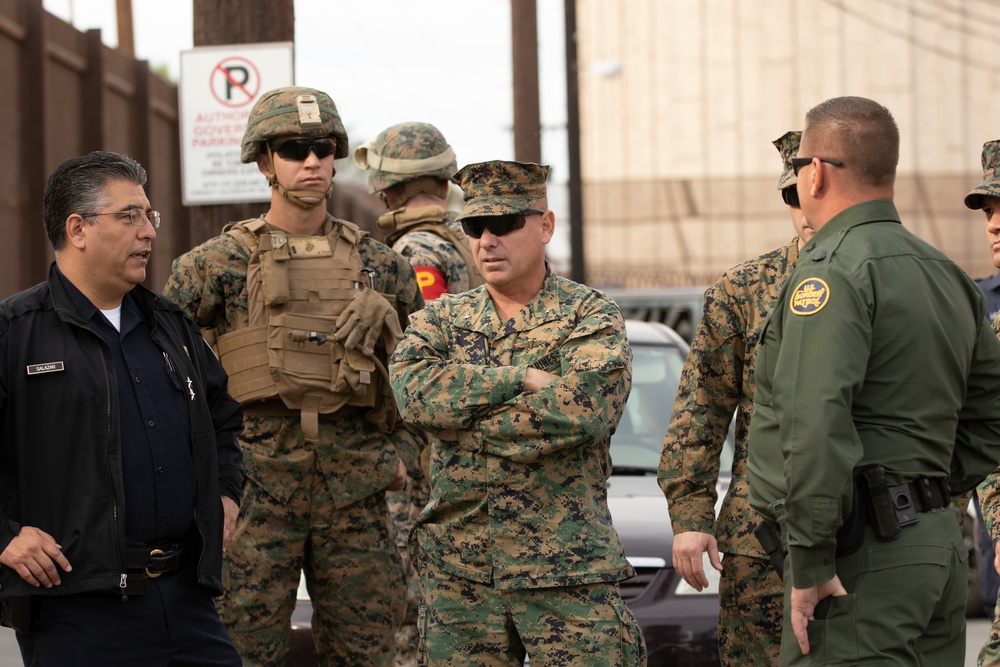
column 235, row 82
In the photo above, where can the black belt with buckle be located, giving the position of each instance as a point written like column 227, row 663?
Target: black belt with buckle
column 155, row 560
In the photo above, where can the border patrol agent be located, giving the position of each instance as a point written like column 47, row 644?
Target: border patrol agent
column 986, row 197
column 304, row 310
column 878, row 396
column 522, row 381
column 410, row 165
column 717, row 379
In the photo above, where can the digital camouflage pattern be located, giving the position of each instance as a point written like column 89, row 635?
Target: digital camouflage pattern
column 989, row 489
column 990, row 186
column 716, row 381
column 415, row 238
column 404, row 152
column 277, row 536
column 354, row 458
column 461, row 618
column 788, row 147
column 499, row 187
column 519, row 500
column 750, row 597
column 276, row 113
column 404, row 508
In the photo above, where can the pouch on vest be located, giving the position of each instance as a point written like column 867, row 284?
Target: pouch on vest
column 296, row 288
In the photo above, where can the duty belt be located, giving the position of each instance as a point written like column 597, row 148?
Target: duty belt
column 144, row 562
column 919, row 495
column 906, row 501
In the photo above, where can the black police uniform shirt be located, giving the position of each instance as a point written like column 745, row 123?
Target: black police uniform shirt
column 157, row 469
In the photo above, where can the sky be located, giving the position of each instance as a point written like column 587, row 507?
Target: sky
column 445, row 62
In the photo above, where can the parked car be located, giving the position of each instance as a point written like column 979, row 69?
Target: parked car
column 678, row 622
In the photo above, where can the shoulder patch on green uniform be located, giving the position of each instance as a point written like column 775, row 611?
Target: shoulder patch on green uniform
column 809, row 297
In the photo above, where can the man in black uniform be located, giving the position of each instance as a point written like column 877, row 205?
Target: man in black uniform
column 119, row 468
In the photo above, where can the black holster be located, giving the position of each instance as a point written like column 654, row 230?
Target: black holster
column 770, row 539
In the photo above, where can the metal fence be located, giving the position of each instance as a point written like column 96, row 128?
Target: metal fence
column 64, row 94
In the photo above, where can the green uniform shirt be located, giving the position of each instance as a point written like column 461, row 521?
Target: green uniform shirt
column 877, row 352
column 520, row 500
column 717, row 380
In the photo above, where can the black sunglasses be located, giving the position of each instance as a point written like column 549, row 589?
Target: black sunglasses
column 298, row 149
column 790, row 196
column 497, row 224
column 799, row 162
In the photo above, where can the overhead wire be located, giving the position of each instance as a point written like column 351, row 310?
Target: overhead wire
column 909, row 38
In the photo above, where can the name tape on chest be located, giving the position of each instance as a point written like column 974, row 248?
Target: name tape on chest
column 47, row 367
column 809, row 297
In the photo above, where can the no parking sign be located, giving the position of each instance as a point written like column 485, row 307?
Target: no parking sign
column 219, row 85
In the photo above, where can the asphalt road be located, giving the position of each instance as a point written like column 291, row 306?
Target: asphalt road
column 979, row 630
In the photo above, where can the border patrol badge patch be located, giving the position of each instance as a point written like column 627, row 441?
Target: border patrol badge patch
column 809, row 297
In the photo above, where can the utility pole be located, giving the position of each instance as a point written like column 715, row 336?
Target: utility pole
column 218, row 22
column 524, row 48
column 126, row 28
column 578, row 267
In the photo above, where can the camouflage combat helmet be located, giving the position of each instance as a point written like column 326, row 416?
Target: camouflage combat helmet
column 403, row 153
column 990, row 187
column 788, row 146
column 499, row 187
column 292, row 111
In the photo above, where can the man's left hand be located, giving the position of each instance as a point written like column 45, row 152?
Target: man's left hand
column 363, row 321
column 804, row 601
column 230, row 511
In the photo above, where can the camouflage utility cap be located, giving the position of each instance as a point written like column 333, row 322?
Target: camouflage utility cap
column 403, row 153
column 788, row 146
column 499, row 187
column 990, row 187
column 292, row 112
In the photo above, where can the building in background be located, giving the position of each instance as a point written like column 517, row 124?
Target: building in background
column 679, row 102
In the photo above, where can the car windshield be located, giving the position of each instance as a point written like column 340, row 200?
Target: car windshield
column 636, row 445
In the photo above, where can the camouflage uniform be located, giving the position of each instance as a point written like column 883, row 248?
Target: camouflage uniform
column 516, row 547
column 423, row 248
column 416, row 156
column 989, row 489
column 316, row 507
column 717, row 379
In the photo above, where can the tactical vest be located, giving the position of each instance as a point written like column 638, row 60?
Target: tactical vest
column 296, row 287
column 421, row 219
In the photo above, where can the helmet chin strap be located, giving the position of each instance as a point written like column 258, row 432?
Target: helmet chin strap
column 295, row 196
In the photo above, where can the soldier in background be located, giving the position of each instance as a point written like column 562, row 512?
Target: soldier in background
column 717, row 380
column 986, row 197
column 522, row 381
column 304, row 309
column 410, row 165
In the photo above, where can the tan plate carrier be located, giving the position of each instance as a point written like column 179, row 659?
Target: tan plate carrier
column 296, row 288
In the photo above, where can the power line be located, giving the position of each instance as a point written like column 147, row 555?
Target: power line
column 964, row 29
column 907, row 37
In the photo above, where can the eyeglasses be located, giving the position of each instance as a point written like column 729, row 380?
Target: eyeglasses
column 298, row 149
column 497, row 224
column 799, row 162
column 136, row 216
column 790, row 196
